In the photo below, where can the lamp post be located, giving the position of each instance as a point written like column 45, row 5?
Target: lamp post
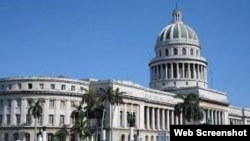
column 44, row 133
column 131, row 122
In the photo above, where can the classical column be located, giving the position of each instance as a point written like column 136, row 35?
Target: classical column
column 23, row 110
column 153, row 118
column 172, row 117
column 177, row 119
column 45, row 112
column 125, row 115
column 189, row 70
column 57, row 112
column 215, row 117
column 168, row 121
column 177, row 69
column 181, row 119
column 219, row 118
column 4, row 112
column 141, row 116
column 212, row 117
column 166, row 71
column 194, row 71
column 183, row 70
column 148, row 124
column 172, row 71
column 12, row 112
column 163, row 119
column 158, row 118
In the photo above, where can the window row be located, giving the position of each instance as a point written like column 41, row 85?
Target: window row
column 29, row 120
column 51, row 103
column 40, row 86
column 178, row 51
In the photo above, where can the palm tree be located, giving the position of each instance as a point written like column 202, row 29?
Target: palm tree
column 79, row 123
column 190, row 107
column 36, row 110
column 112, row 97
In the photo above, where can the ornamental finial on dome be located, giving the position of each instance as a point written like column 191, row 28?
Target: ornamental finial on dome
column 176, row 15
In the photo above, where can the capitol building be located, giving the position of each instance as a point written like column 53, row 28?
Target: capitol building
column 177, row 68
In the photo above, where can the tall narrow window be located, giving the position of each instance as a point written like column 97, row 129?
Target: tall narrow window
column 51, row 119
column 121, row 118
column 184, row 52
column 166, row 52
column 52, row 103
column 18, row 120
column 160, row 53
column 191, row 52
column 61, row 120
column 1, row 120
column 8, row 119
column 175, row 51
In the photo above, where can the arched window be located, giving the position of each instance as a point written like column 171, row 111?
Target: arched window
column 152, row 138
column 6, row 137
column 191, row 52
column 146, row 138
column 123, row 137
column 184, row 51
column 16, row 136
column 160, row 53
column 175, row 51
column 166, row 52
column 50, row 136
column 27, row 136
column 197, row 53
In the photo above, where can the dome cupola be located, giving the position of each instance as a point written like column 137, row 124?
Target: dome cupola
column 177, row 31
column 178, row 62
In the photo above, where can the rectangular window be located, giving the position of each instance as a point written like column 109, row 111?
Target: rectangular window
column 28, row 119
column 121, row 118
column 51, row 119
column 1, row 103
column 52, row 86
column 9, row 86
column 2, row 87
column 18, row 103
column 19, row 85
column 63, row 87
column 61, row 120
column 52, row 103
column 41, row 86
column 62, row 104
column 1, row 120
column 18, row 121
column 9, row 103
column 8, row 119
column 73, row 88
column 30, row 86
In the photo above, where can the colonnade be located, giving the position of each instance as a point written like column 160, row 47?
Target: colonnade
column 178, row 70
column 215, row 117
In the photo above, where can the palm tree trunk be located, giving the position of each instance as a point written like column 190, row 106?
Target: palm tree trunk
column 35, row 132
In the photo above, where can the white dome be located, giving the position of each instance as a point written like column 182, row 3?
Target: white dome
column 177, row 32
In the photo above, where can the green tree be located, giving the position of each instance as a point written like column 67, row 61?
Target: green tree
column 112, row 97
column 36, row 110
column 189, row 107
column 79, row 126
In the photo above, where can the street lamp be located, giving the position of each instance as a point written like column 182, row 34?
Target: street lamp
column 131, row 122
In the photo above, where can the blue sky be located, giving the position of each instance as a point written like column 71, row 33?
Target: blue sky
column 114, row 39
